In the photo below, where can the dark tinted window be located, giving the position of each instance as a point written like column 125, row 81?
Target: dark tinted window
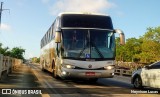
column 87, row 21
column 155, row 66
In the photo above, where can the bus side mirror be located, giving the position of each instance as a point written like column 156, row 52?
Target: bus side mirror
column 58, row 37
column 121, row 36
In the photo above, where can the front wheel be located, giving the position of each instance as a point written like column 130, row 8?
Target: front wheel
column 55, row 74
column 137, row 83
column 54, row 70
column 42, row 68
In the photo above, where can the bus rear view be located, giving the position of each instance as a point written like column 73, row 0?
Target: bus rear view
column 85, row 46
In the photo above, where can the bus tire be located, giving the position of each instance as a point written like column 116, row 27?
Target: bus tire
column 42, row 67
column 54, row 70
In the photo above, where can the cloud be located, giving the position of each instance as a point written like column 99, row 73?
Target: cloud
column 5, row 27
column 97, row 6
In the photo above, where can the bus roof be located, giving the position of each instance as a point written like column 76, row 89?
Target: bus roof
column 82, row 13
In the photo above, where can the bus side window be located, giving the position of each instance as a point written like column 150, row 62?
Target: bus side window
column 53, row 30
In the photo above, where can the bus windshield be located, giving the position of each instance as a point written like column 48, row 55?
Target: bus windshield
column 88, row 43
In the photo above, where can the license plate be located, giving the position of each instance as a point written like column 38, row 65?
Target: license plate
column 90, row 73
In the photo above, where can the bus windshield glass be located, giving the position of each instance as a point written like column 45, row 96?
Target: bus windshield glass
column 88, row 43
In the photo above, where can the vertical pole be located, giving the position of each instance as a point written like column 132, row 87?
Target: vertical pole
column 1, row 13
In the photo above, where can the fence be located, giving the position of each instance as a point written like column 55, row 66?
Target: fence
column 123, row 72
column 126, row 68
column 8, row 64
column 129, row 65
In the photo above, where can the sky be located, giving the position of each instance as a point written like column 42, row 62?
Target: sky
column 28, row 20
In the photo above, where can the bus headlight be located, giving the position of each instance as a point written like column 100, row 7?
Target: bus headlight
column 69, row 66
column 109, row 67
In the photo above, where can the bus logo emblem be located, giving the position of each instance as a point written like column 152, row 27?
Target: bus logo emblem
column 89, row 66
column 87, row 55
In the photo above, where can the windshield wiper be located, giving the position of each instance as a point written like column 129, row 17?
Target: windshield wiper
column 100, row 54
column 98, row 51
column 82, row 50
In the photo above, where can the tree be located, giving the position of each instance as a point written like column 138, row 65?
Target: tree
column 120, row 50
column 151, row 45
column 5, row 51
column 17, row 52
column 127, row 52
column 152, row 34
column 35, row 60
column 144, row 49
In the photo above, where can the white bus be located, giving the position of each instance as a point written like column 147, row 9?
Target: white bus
column 80, row 45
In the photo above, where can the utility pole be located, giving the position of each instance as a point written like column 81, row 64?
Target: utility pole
column 1, row 12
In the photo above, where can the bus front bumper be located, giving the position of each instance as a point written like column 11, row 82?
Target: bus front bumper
column 75, row 73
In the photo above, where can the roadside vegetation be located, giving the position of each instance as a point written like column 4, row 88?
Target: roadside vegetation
column 143, row 50
column 35, row 60
column 16, row 52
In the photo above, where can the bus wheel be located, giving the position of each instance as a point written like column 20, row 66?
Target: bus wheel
column 42, row 67
column 54, row 70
